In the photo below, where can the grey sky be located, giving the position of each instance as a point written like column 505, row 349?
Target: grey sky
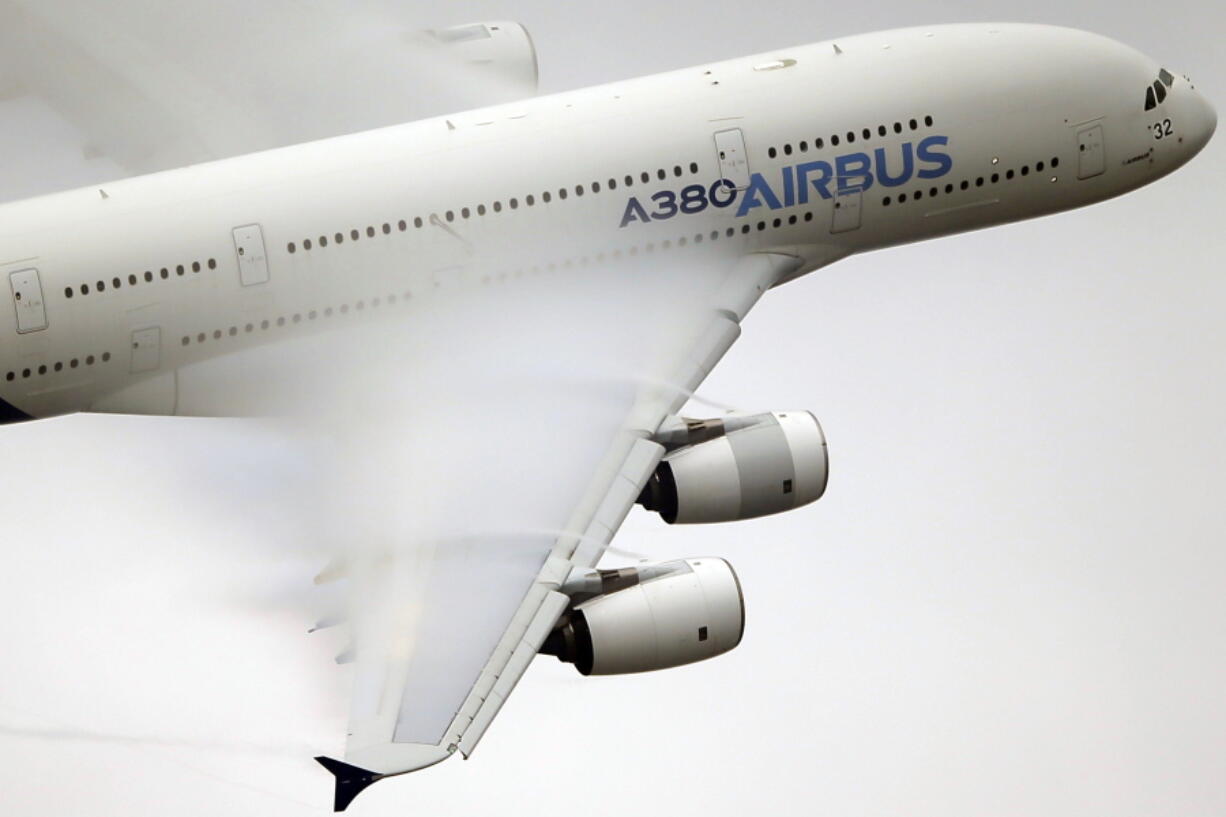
column 1010, row 601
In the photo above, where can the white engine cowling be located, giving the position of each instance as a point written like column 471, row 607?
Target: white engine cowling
column 775, row 464
column 680, row 612
column 503, row 49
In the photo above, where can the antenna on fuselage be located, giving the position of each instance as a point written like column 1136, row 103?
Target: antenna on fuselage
column 837, row 50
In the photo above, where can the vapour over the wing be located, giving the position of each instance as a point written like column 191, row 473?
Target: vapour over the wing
column 446, row 421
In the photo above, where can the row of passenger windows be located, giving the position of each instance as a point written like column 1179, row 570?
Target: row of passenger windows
column 360, row 306
column 296, row 318
column 651, row 246
column 59, row 366
column 966, row 184
column 850, row 136
column 1155, row 94
column 149, row 276
column 514, row 203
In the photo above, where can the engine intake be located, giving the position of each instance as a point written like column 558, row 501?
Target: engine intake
column 740, row 468
column 676, row 613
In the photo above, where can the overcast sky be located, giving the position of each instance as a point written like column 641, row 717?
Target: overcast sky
column 1010, row 602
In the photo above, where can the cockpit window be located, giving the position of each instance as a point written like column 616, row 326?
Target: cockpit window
column 1156, row 93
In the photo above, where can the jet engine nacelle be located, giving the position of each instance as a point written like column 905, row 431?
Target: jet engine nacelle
column 761, row 465
column 675, row 613
column 502, row 49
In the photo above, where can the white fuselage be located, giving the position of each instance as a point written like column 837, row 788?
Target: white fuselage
column 877, row 140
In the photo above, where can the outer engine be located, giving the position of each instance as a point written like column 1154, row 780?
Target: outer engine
column 653, row 617
column 503, row 48
column 739, row 467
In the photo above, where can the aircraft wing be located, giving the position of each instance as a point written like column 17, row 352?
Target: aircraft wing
column 459, row 623
column 157, row 86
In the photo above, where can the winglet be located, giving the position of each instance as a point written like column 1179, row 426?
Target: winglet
column 350, row 781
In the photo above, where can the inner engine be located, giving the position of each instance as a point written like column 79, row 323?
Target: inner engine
column 652, row 617
column 738, row 467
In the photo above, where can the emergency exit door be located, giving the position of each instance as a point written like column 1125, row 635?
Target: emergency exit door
column 146, row 349
column 846, row 211
column 733, row 160
column 1091, row 158
column 28, row 300
column 252, row 259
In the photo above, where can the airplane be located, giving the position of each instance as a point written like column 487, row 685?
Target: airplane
column 756, row 170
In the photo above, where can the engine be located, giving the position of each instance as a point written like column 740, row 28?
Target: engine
column 652, row 617
column 503, row 49
column 739, row 467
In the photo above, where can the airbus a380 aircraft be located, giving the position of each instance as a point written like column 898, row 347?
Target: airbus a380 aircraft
column 770, row 166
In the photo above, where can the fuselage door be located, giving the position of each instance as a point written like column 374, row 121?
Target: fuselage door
column 846, row 211
column 252, row 259
column 28, row 299
column 1091, row 158
column 146, row 349
column 733, row 160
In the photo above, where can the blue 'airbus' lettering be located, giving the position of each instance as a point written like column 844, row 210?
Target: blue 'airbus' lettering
column 848, row 173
